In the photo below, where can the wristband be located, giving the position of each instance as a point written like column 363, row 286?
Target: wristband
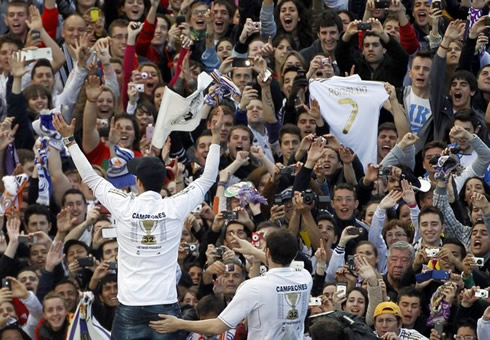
column 443, row 47
column 413, row 205
column 222, row 184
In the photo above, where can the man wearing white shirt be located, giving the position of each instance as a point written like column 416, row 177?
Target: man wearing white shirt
column 149, row 230
column 274, row 304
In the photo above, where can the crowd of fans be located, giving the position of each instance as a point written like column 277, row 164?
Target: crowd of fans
column 400, row 245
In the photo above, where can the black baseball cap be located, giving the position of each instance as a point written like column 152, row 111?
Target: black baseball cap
column 149, row 170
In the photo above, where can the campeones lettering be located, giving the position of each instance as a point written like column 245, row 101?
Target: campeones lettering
column 158, row 216
column 292, row 288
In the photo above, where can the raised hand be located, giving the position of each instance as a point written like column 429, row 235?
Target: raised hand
column 64, row 221
column 102, row 48
column 346, row 155
column 93, row 88
column 390, row 200
column 13, row 228
column 35, row 22
column 17, row 65
column 60, row 125
column 408, row 195
column 55, row 256
column 407, row 140
column 455, row 30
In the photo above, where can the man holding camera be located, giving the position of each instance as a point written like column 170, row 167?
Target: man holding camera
column 382, row 57
column 149, row 230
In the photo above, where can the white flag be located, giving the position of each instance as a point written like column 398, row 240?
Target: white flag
column 351, row 107
column 177, row 113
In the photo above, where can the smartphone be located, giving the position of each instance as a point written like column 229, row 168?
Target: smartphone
column 364, row 26
column 350, row 263
column 40, row 53
column 422, row 277
column 278, row 199
column 179, row 20
column 23, row 238
column 487, row 20
column 354, row 231
column 229, row 267
column 94, row 14
column 149, row 132
column 230, row 215
column 436, row 5
column 241, row 62
column 109, row 233
column 6, row 283
column 86, row 261
column 382, row 4
column 342, row 288
column 439, row 327
column 113, row 265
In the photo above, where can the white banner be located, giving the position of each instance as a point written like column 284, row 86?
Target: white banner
column 351, row 107
column 177, row 113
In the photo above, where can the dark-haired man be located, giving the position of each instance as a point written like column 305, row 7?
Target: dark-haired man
column 149, row 232
column 275, row 304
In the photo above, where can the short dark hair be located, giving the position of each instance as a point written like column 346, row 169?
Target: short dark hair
column 466, row 322
column 242, row 127
column 468, row 115
column 36, row 209
column 465, row 75
column 480, row 70
column 25, row 155
column 41, row 63
column 362, row 243
column 431, row 210
column 291, row 129
column 210, row 304
column 204, row 133
column 409, row 291
column 19, row 3
column 372, row 34
column 283, row 246
column 344, row 186
column 329, row 18
column 230, row 6
column 387, row 126
column 72, row 191
column 432, row 145
column 455, row 241
column 117, row 23
column 326, row 328
column 12, row 39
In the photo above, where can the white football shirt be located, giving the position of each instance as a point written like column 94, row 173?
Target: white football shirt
column 351, row 107
column 275, row 304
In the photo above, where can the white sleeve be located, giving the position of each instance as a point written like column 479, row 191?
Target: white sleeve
column 70, row 93
column 482, row 328
column 245, row 300
column 113, row 199
column 336, row 261
column 35, row 314
column 186, row 200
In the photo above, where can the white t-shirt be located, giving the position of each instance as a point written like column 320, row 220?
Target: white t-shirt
column 351, row 107
column 418, row 111
column 275, row 304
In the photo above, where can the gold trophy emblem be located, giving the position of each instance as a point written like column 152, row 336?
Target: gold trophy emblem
column 148, row 239
column 292, row 300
